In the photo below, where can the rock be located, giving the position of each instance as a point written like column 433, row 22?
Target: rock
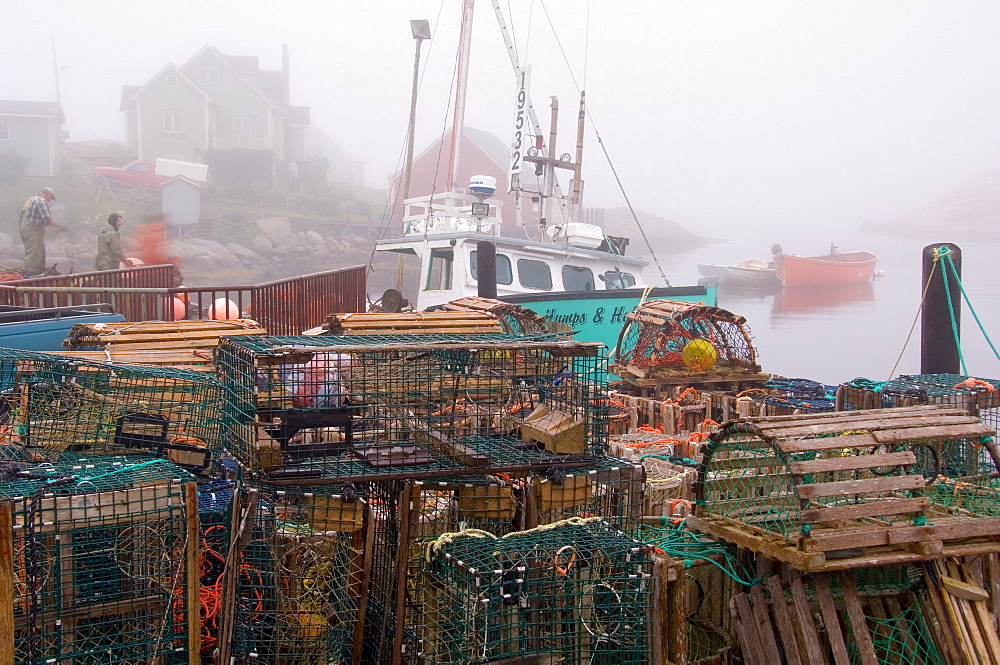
column 246, row 255
column 313, row 238
column 262, row 245
column 214, row 247
column 274, row 227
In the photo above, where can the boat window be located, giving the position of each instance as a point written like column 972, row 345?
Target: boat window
column 439, row 270
column 615, row 279
column 534, row 274
column 505, row 273
column 576, row 278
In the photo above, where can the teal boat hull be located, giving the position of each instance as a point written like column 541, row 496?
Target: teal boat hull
column 598, row 316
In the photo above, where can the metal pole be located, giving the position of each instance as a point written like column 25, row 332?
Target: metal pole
column 486, row 269
column 938, row 350
column 458, row 124
column 420, row 33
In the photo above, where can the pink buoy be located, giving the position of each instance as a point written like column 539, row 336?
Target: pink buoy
column 223, row 309
column 134, row 262
column 180, row 309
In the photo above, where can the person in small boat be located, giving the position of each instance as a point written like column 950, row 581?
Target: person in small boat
column 109, row 245
column 35, row 216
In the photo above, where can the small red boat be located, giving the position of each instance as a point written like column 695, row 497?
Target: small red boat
column 829, row 269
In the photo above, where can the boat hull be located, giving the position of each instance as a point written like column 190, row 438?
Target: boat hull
column 598, row 316
column 827, row 270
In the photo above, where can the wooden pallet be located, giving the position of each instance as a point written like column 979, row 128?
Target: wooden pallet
column 412, row 323
column 157, row 335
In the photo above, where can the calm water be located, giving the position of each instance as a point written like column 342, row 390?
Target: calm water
column 834, row 335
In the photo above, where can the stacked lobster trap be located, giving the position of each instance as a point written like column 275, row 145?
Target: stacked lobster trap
column 359, row 408
column 578, row 591
column 976, row 395
column 102, row 564
column 50, row 405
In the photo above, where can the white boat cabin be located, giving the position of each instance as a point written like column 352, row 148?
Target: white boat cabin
column 443, row 230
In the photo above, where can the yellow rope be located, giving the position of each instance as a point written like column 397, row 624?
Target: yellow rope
column 923, row 297
column 434, row 546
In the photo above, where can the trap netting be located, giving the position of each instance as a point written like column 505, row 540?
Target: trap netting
column 301, row 577
column 977, row 395
column 680, row 338
column 577, row 590
column 360, row 407
column 100, row 550
column 52, row 405
column 612, row 489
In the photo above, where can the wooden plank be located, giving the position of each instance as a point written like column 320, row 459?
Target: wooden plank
column 950, row 641
column 852, row 462
column 783, row 620
column 771, row 547
column 861, row 486
column 804, row 618
column 115, row 340
column 902, row 627
column 946, row 409
column 828, row 443
column 858, row 627
column 935, row 433
column 746, row 632
column 993, row 584
column 986, row 626
column 830, row 619
column 192, row 596
column 366, row 577
column 762, row 617
column 963, row 611
column 6, row 584
column 862, row 510
column 747, row 462
column 880, row 629
column 875, row 535
column 917, row 425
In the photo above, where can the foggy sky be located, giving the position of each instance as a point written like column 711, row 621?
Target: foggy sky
column 719, row 115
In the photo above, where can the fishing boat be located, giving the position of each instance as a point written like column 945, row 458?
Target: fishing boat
column 569, row 271
column 751, row 273
column 826, row 270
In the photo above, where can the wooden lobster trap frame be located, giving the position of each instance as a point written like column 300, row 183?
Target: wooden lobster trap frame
column 849, row 489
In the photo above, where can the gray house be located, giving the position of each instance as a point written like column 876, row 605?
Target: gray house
column 215, row 102
column 33, row 130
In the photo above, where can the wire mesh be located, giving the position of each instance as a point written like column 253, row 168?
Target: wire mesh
column 52, row 405
column 611, row 489
column 576, row 590
column 99, row 561
column 300, row 578
column 367, row 406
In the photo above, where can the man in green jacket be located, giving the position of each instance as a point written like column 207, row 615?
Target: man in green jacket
column 109, row 245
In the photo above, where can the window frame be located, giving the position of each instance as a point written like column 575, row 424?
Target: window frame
column 176, row 124
column 520, row 273
column 578, row 269
column 501, row 258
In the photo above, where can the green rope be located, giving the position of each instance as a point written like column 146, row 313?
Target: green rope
column 679, row 543
column 943, row 253
column 122, row 470
column 868, row 384
column 958, row 280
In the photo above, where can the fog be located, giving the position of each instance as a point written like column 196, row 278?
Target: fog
column 723, row 116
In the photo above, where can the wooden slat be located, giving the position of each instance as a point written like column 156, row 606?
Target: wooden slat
column 937, row 433
column 862, row 510
column 902, row 628
column 746, row 632
column 193, row 586
column 852, row 462
column 916, row 424
column 859, row 629
column 861, row 486
column 963, row 610
column 828, row 443
column 804, row 618
column 783, row 620
column 830, row 620
column 945, row 409
column 6, row 585
column 762, row 617
column 876, row 535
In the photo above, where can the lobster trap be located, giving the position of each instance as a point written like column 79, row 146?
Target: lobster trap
column 51, row 405
column 360, row 408
column 842, row 490
column 102, row 562
column 978, row 396
column 667, row 343
column 302, row 579
column 578, row 591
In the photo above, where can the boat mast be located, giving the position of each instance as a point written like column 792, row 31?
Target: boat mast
column 458, row 122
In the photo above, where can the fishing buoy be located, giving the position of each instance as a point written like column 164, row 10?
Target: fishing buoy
column 180, row 309
column 223, row 309
column 134, row 262
column 699, row 355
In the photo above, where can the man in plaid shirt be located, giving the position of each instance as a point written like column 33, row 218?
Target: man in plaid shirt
column 35, row 216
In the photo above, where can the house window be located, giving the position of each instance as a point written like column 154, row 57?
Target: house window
column 242, row 125
column 208, row 75
column 173, row 122
column 534, row 274
column 171, row 81
column 4, row 130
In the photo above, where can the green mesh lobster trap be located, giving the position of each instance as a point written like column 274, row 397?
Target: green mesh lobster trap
column 51, row 405
column 577, row 591
column 670, row 342
column 359, row 408
column 102, row 562
column 841, row 489
column 302, row 578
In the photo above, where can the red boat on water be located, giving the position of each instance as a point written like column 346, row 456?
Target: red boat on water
column 826, row 270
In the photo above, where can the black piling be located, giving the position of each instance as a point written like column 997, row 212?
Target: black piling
column 938, row 350
column 486, row 269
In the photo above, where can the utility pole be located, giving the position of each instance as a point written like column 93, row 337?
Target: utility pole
column 55, row 67
column 421, row 30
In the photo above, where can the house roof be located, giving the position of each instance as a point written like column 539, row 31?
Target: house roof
column 32, row 109
column 246, row 67
column 171, row 67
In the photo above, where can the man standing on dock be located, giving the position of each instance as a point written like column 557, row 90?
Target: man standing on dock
column 35, row 216
column 109, row 245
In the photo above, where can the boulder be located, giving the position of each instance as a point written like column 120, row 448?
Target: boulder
column 313, row 238
column 263, row 245
column 274, row 227
column 246, row 255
